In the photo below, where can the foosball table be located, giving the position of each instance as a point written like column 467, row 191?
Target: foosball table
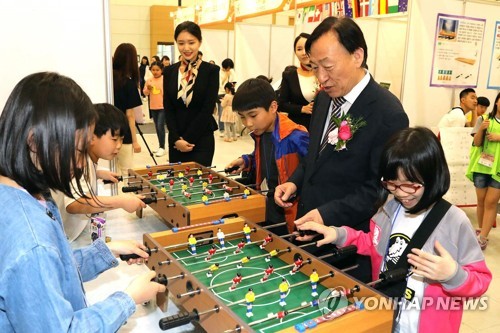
column 189, row 193
column 233, row 275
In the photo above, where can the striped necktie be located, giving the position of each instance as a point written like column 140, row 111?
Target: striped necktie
column 336, row 112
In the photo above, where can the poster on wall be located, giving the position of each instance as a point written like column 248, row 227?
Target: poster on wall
column 494, row 74
column 457, row 51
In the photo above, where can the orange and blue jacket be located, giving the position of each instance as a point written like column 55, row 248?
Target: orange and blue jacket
column 291, row 142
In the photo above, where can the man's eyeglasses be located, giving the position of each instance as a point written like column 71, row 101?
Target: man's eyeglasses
column 407, row 188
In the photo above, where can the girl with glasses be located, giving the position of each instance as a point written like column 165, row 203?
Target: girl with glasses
column 451, row 264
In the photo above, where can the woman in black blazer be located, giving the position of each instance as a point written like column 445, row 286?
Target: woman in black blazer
column 298, row 87
column 190, row 92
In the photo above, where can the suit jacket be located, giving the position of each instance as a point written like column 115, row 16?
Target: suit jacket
column 343, row 185
column 291, row 100
column 195, row 121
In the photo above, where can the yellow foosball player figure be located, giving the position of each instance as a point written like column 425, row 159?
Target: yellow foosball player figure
column 247, row 231
column 314, row 278
column 283, row 287
column 212, row 269
column 243, row 260
column 192, row 243
column 250, row 298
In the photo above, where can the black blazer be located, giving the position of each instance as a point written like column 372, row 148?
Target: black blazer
column 343, row 185
column 195, row 121
column 291, row 100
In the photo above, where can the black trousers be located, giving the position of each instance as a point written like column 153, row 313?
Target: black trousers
column 203, row 152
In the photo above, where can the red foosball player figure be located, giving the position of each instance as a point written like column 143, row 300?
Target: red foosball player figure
column 280, row 315
column 239, row 247
column 296, row 265
column 211, row 252
column 236, row 280
column 250, row 298
column 187, row 169
column 208, row 191
column 267, row 240
column 269, row 270
column 171, row 183
column 150, row 174
column 228, row 189
column 210, row 178
column 243, row 260
column 212, row 269
column 191, row 181
column 247, row 231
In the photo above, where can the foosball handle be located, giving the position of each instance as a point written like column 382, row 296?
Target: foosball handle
column 351, row 249
column 394, row 275
column 149, row 200
column 126, row 257
column 177, row 320
column 231, row 169
column 105, row 181
column 127, row 189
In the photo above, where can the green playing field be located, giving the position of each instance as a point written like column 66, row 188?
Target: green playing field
column 196, row 189
column 252, row 272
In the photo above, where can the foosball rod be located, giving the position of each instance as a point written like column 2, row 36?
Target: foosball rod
column 222, row 250
column 308, row 305
column 254, row 275
column 209, row 201
column 119, row 178
column 331, row 274
column 277, row 251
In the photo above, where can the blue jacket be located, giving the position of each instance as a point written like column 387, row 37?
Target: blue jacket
column 291, row 142
column 41, row 277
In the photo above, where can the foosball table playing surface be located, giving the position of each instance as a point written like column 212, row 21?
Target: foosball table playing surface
column 189, row 193
column 236, row 276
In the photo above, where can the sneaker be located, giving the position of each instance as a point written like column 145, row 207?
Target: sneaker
column 221, row 134
column 160, row 152
column 483, row 242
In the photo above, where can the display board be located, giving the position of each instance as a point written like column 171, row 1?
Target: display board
column 69, row 37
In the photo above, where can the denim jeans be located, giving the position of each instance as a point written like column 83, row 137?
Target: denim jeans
column 159, row 120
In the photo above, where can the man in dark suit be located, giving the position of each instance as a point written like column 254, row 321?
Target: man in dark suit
column 340, row 187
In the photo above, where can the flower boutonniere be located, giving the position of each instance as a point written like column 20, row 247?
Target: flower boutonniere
column 346, row 127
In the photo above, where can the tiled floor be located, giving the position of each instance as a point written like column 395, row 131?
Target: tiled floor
column 473, row 321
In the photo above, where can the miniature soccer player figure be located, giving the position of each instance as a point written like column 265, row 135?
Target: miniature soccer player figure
column 226, row 196
column 283, row 291
column 204, row 199
column 267, row 240
column 221, row 236
column 171, row 183
column 280, row 315
column 243, row 260
column 228, row 189
column 271, row 254
column 191, row 181
column 247, row 231
column 250, row 298
column 296, row 265
column 239, row 247
column 180, row 175
column 199, row 173
column 212, row 269
column 236, row 280
column 192, row 243
column 246, row 193
column 150, row 174
column 211, row 252
column 269, row 270
column 210, row 178
column 314, row 278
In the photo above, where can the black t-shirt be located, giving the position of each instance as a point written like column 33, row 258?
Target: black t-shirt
column 269, row 171
column 127, row 97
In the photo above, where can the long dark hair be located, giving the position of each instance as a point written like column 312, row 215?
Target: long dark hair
column 44, row 115
column 419, row 156
column 494, row 111
column 125, row 65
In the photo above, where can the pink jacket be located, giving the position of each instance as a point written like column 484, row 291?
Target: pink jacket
column 456, row 234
